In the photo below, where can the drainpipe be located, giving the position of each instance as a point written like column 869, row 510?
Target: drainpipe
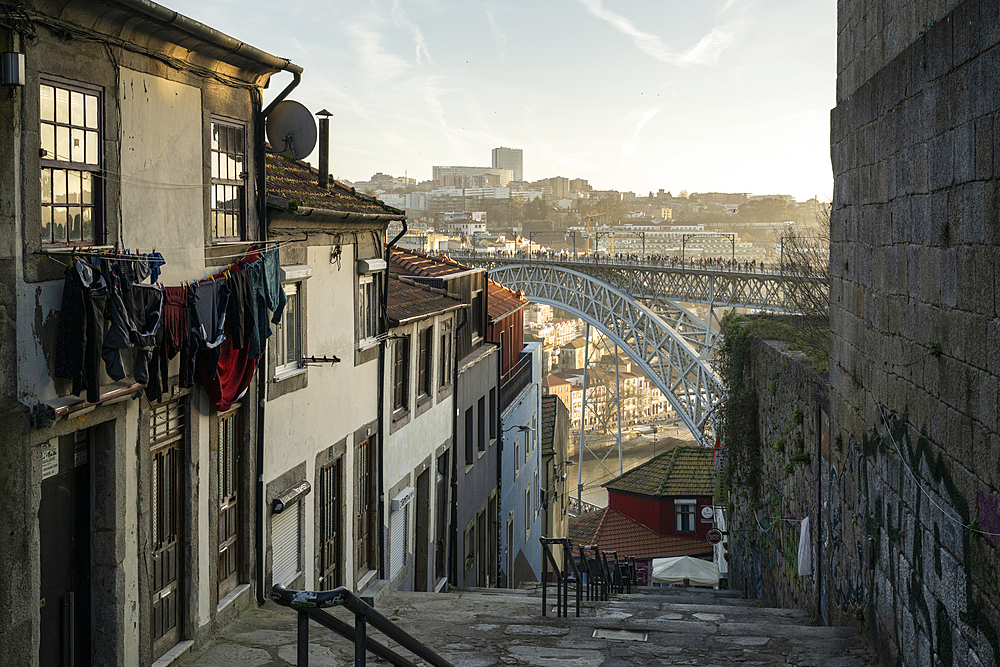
column 454, row 568
column 262, row 363
column 382, row 429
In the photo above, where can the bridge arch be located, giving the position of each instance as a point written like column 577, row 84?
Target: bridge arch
column 678, row 370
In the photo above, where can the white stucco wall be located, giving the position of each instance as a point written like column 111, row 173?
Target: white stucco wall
column 339, row 399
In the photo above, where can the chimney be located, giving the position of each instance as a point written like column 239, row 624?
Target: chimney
column 324, row 149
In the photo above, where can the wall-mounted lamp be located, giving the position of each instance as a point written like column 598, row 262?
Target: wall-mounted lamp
column 12, row 69
column 523, row 428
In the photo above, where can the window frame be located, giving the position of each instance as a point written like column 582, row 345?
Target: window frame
column 293, row 291
column 217, row 180
column 368, row 305
column 447, row 343
column 53, row 164
column 401, row 375
column 425, row 362
column 678, row 513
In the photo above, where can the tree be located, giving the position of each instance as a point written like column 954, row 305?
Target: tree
column 769, row 209
column 805, row 257
column 537, row 209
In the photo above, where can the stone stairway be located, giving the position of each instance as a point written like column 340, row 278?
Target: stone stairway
column 485, row 627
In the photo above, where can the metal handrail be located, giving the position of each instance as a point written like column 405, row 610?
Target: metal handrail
column 310, row 605
column 563, row 576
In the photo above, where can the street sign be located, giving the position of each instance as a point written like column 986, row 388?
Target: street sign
column 714, row 536
column 707, row 512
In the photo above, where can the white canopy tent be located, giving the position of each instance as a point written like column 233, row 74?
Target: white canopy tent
column 675, row 570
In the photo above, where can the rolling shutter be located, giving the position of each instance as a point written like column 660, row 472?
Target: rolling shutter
column 397, row 541
column 285, row 544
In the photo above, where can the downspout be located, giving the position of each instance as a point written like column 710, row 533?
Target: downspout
column 453, row 547
column 499, row 422
column 262, row 363
column 382, row 430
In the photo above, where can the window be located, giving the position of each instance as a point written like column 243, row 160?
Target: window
column 527, row 511
column 70, row 143
column 470, row 546
column 537, row 491
column 445, row 378
column 517, row 455
column 288, row 341
column 401, row 375
column 228, row 180
column 368, row 305
column 684, row 512
column 425, row 361
column 477, row 315
column 482, row 423
column 470, row 445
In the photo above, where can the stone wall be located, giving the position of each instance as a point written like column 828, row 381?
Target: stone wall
column 764, row 528
column 915, row 334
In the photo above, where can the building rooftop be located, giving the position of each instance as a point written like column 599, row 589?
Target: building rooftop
column 613, row 531
column 413, row 263
column 501, row 301
column 686, row 470
column 548, row 433
column 553, row 380
column 410, row 301
column 296, row 182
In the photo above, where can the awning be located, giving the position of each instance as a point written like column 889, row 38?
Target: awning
column 675, row 570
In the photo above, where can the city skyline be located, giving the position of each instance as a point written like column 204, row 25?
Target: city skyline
column 731, row 95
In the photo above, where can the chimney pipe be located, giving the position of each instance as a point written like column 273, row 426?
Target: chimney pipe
column 324, row 149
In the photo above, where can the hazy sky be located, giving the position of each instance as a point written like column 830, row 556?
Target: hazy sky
column 702, row 95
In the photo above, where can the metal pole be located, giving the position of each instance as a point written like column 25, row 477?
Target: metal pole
column 302, row 653
column 583, row 415
column 618, row 397
column 360, row 641
column 545, row 575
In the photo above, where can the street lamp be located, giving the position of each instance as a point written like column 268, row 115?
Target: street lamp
column 573, row 234
column 531, row 240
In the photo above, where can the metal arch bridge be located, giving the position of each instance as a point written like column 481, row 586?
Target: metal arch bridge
column 678, row 366
column 638, row 307
column 657, row 282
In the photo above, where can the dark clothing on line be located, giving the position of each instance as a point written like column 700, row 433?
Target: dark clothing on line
column 207, row 303
column 272, row 285
column 135, row 316
column 81, row 329
column 262, row 329
column 176, row 331
column 240, row 314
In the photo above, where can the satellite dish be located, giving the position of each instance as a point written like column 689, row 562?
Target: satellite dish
column 291, row 130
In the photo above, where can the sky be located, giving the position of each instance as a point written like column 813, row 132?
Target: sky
column 633, row 95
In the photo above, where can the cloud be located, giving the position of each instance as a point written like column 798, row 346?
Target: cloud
column 640, row 118
column 705, row 52
column 401, row 20
column 497, row 31
column 375, row 60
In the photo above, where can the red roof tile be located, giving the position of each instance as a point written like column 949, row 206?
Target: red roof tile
column 613, row 531
column 412, row 263
column 409, row 301
column 296, row 181
column 501, row 301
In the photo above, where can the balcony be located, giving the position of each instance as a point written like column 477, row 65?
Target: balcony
column 514, row 382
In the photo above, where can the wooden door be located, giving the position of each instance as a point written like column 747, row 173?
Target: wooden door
column 168, row 425
column 330, row 517
column 230, row 524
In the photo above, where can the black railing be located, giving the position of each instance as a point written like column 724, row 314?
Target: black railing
column 564, row 576
column 514, row 382
column 310, row 605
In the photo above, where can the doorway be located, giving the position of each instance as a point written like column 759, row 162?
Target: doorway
column 421, row 551
column 65, row 553
column 329, row 522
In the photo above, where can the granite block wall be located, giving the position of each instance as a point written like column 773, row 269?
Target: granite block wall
column 915, row 333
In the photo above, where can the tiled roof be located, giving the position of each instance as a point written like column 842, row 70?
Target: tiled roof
column 296, row 181
column 613, row 531
column 686, row 470
column 502, row 301
column 552, row 380
column 412, row 263
column 575, row 343
column 409, row 300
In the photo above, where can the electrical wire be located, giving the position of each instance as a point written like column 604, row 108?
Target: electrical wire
column 902, row 460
